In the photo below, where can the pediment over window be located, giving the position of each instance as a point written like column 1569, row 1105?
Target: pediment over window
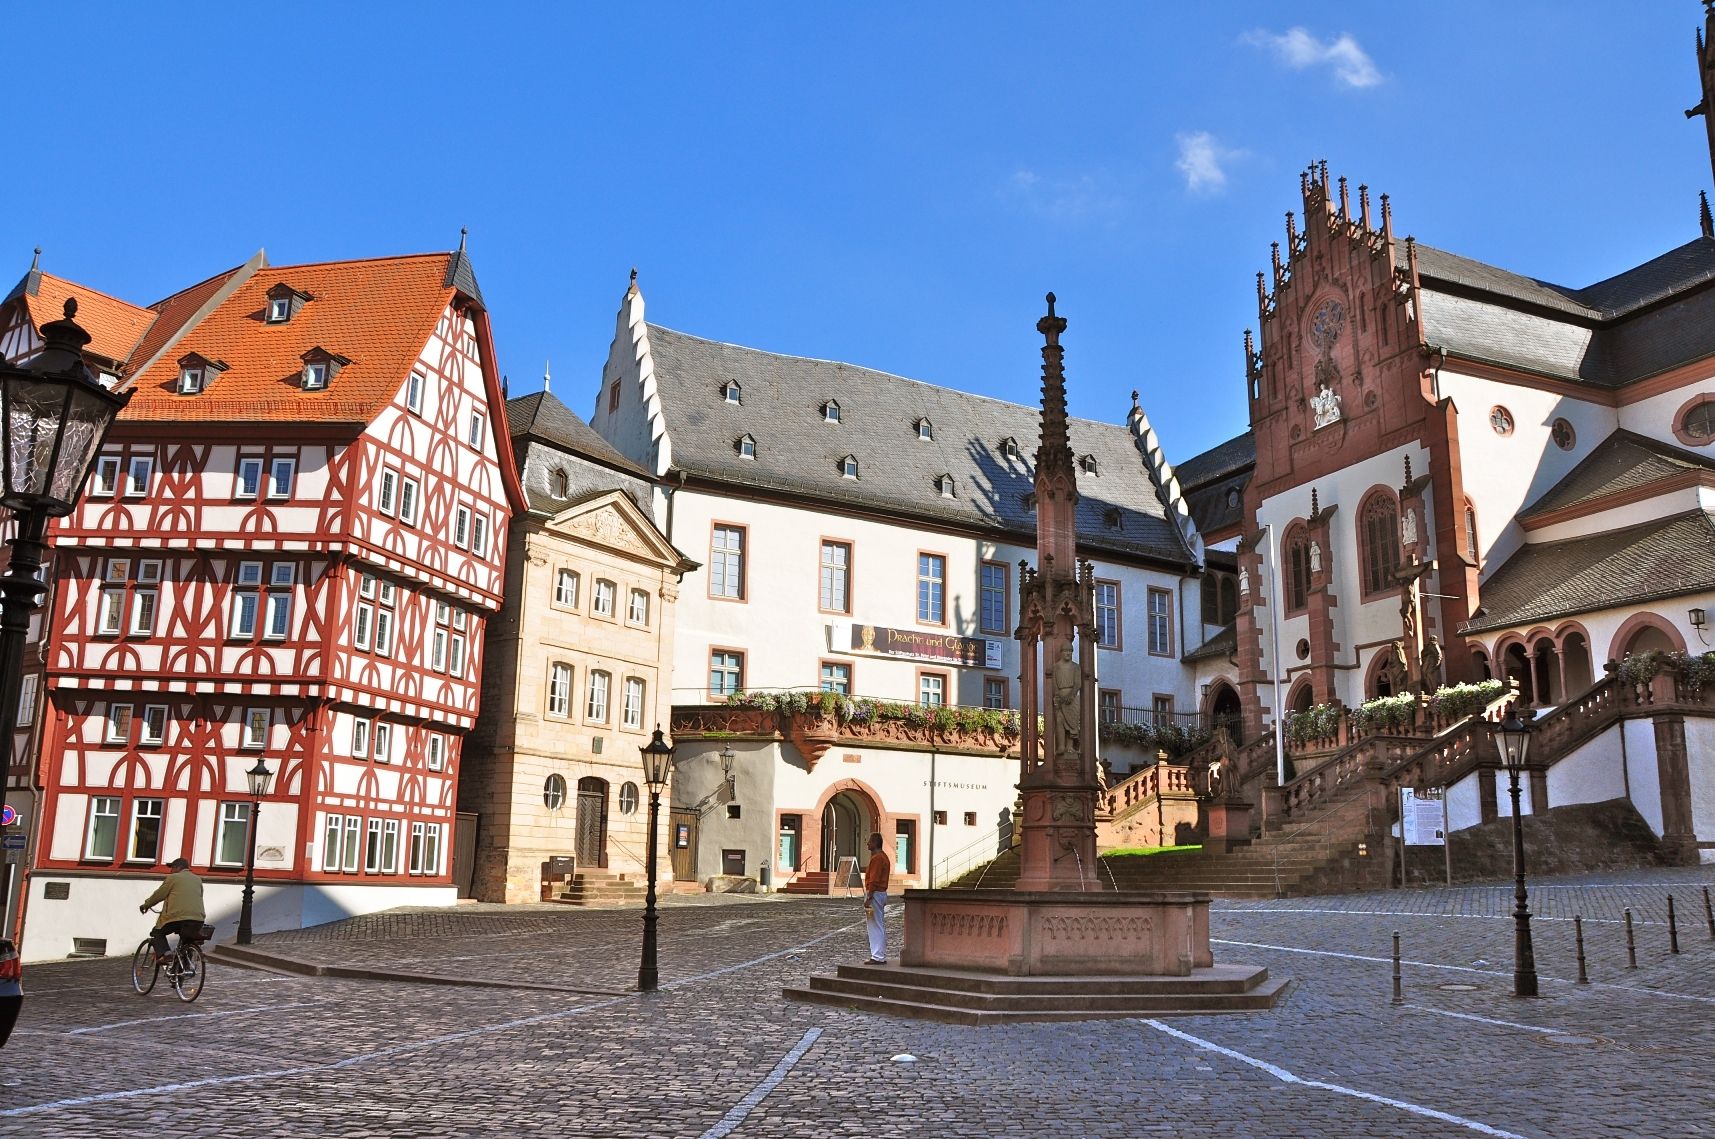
column 284, row 302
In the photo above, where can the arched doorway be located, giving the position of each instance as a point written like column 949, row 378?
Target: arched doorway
column 1648, row 638
column 591, row 846
column 845, row 826
column 1575, row 663
column 1516, row 666
column 1224, row 710
column 1302, row 697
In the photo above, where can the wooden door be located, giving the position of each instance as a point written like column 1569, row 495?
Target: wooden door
column 682, row 843
column 591, row 844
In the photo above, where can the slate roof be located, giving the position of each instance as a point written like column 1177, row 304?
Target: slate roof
column 543, row 430
column 1665, row 557
column 1220, row 646
column 1638, row 323
column 1621, row 462
column 797, row 452
column 1209, row 479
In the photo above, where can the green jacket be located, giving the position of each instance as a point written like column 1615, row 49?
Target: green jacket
column 182, row 892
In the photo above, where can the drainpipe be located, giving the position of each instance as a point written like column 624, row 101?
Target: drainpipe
column 931, row 874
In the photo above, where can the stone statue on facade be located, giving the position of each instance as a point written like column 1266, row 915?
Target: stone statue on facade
column 1408, row 528
column 1315, row 557
column 1430, row 663
column 1068, row 703
column 1244, row 582
column 1395, row 671
column 1325, row 405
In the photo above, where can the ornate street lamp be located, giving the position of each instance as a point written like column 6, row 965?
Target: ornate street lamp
column 54, row 416
column 727, row 757
column 657, row 769
column 259, row 777
column 1512, row 738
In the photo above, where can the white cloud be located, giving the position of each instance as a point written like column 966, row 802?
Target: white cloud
column 1202, row 159
column 1298, row 49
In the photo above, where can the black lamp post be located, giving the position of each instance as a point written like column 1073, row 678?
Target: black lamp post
column 259, row 777
column 1512, row 738
column 54, row 416
column 657, row 768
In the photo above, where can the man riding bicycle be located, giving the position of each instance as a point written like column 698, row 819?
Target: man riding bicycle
column 182, row 911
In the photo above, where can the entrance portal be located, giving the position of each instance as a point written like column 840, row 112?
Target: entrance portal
column 845, row 826
column 592, row 822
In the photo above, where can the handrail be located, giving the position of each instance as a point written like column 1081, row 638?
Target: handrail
column 940, row 871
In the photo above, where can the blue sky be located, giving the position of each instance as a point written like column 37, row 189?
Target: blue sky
column 891, row 185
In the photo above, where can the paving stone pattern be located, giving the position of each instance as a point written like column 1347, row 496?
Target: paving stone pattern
column 265, row 1055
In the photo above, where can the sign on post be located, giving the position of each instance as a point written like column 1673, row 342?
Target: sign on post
column 1422, row 822
column 8, row 815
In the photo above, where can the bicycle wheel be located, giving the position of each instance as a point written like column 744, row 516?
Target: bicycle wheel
column 187, row 978
column 144, row 970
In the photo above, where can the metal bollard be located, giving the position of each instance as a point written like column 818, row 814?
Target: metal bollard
column 1708, row 913
column 1631, row 944
column 1398, row 989
column 1672, row 928
column 1578, row 930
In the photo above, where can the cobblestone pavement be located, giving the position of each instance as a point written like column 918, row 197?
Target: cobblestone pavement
column 719, row 1052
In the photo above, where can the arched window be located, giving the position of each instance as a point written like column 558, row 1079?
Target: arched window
column 1378, row 542
column 1470, row 531
column 1295, row 560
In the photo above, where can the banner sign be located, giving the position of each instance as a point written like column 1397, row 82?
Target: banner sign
column 1420, row 816
column 918, row 644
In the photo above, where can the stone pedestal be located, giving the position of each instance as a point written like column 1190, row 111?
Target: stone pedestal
column 1227, row 824
column 1025, row 933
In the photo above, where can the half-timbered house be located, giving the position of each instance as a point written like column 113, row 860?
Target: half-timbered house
column 287, row 551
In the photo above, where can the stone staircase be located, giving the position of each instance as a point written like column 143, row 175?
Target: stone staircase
column 811, row 882
column 601, row 888
column 957, row 996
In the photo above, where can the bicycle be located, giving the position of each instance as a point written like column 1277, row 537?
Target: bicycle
column 184, row 965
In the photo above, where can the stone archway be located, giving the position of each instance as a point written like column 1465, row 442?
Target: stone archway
column 1575, row 663
column 1545, row 672
column 1223, row 710
column 841, row 824
column 1515, row 666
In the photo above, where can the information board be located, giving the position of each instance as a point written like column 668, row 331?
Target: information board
column 1421, row 817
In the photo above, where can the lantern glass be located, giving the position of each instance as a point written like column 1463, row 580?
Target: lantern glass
column 657, row 762
column 53, row 425
column 1512, row 738
column 259, row 777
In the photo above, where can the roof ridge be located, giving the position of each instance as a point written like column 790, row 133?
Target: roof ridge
column 148, row 309
column 354, row 261
column 157, row 306
column 653, row 327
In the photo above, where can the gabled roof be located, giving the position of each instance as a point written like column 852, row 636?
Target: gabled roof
column 799, row 453
column 1210, row 480
column 1665, row 557
column 1622, row 462
column 1638, row 323
column 115, row 327
column 379, row 313
column 542, row 427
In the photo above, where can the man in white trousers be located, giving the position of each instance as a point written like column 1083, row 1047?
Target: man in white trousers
column 875, row 900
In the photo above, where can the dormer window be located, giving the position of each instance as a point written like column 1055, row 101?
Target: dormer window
column 1028, row 500
column 284, row 302
column 1009, row 448
column 944, row 484
column 746, row 447
column 730, row 392
column 196, row 372
column 925, row 429
column 848, row 467
column 320, row 367
column 831, row 411
column 1087, row 464
column 1111, row 518
column 557, row 484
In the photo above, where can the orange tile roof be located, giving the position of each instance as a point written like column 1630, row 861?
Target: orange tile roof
column 114, row 326
column 174, row 312
column 379, row 313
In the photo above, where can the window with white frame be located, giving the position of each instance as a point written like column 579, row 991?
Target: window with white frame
column 1160, row 622
column 560, row 690
column 925, row 429
column 119, row 723
column 731, row 392
column 145, row 844
column 415, row 863
column 1161, row 707
column 390, row 846
column 437, row 751
column 994, row 691
column 104, row 480
column 387, row 492
column 637, row 609
column 257, row 721
column 231, row 839
column 190, row 379
column 248, row 482
column 849, row 467
column 315, row 376
column 438, row 650
column 101, row 837
column 566, row 588
column 461, row 526
column 595, row 708
column 726, row 672
column 363, row 625
column 414, row 388
column 726, row 562
column 110, row 610
column 279, row 615
column 279, row 309
column 631, row 710
column 831, row 411
column 992, row 590
column 1108, row 706
column 143, row 612
column 459, row 618
column 360, row 738
column 333, row 831
column 478, row 429
column 353, row 828
column 383, row 743
column 455, row 656
column 154, row 729
column 932, row 689
column 1108, row 614
column 601, row 602
column 409, row 492
column 246, row 599
column 280, row 473
column 836, row 676
column 836, row 577
column 27, row 687
column 137, row 473
column 372, row 848
column 479, row 534
column 382, row 642
column 932, row 589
